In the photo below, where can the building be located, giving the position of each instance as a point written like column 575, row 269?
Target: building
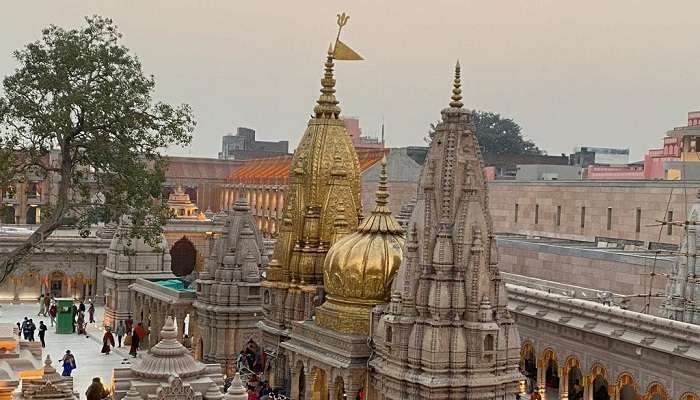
column 633, row 171
column 352, row 126
column 624, row 211
column 505, row 166
column 243, row 146
column 547, row 172
column 201, row 178
column 586, row 155
column 655, row 159
column 322, row 203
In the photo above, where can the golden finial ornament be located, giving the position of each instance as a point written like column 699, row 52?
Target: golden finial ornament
column 456, row 90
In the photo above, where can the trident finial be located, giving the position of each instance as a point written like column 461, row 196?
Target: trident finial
column 342, row 21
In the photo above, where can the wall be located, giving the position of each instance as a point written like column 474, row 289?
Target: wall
column 537, row 172
column 623, row 198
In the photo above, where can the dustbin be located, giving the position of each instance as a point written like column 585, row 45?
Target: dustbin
column 64, row 316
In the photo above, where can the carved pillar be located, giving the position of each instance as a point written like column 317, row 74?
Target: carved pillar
column 541, row 374
column 308, row 385
column 294, row 392
column 564, row 383
column 587, row 387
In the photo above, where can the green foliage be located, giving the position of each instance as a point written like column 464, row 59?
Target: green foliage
column 80, row 107
column 497, row 135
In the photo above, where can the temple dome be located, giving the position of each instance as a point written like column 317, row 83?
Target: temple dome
column 360, row 267
column 168, row 357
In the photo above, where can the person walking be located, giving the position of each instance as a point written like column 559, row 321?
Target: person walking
column 81, row 307
column 96, row 390
column 74, row 315
column 19, row 329
column 120, row 332
column 42, row 306
column 129, row 324
column 107, row 341
column 25, row 328
column 42, row 333
column 32, row 328
column 68, row 363
column 81, row 323
column 91, row 313
column 47, row 303
column 135, row 340
column 53, row 311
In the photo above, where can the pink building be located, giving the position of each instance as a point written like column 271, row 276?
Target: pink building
column 655, row 158
column 352, row 125
column 615, row 172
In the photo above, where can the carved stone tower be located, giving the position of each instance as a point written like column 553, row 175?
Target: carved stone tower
column 683, row 287
column 228, row 301
column 446, row 333
column 322, row 205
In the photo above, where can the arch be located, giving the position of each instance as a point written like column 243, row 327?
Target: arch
column 319, row 385
column 528, row 365
column 626, row 387
column 488, row 343
column 32, row 215
column 7, row 214
column 656, row 391
column 56, row 281
column 625, row 379
column 549, row 354
column 600, row 385
column 599, row 370
column 551, row 372
column 183, row 257
column 338, row 389
column 689, row 396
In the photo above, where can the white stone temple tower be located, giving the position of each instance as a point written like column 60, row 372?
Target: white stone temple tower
column 446, row 333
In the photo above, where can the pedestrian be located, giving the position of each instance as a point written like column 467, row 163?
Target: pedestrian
column 135, row 340
column 47, row 303
column 120, row 332
column 81, row 323
column 53, row 311
column 25, row 328
column 107, row 341
column 42, row 306
column 81, row 307
column 96, row 390
column 91, row 312
column 68, row 363
column 42, row 333
column 141, row 332
column 74, row 315
column 129, row 324
column 19, row 330
column 32, row 328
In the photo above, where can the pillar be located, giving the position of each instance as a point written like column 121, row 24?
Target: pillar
column 564, row 383
column 541, row 375
column 587, row 387
column 308, row 385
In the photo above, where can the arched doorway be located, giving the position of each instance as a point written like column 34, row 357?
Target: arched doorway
column 33, row 215
column 626, row 387
column 31, row 286
column 339, row 389
column 599, row 385
column 656, row 391
column 79, row 286
column 320, row 385
column 183, row 256
column 574, row 379
column 7, row 214
column 57, row 283
column 528, row 366
column 551, row 374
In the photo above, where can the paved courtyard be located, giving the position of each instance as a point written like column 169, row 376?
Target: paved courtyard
column 90, row 362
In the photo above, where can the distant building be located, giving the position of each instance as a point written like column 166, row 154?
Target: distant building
column 352, row 125
column 633, row 171
column 505, row 166
column 243, row 146
column 545, row 172
column 655, row 159
column 586, row 155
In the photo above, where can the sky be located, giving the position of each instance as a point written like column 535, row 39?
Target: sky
column 598, row 73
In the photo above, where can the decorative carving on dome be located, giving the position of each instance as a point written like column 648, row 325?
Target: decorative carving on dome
column 176, row 390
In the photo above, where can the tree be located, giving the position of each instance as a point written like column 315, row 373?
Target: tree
column 497, row 135
column 79, row 108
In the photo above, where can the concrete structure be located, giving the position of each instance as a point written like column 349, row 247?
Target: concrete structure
column 168, row 371
column 544, row 172
column 584, row 156
column 585, row 210
column 228, row 299
column 243, row 146
column 352, row 126
column 128, row 260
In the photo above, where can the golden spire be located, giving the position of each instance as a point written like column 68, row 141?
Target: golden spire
column 327, row 104
column 456, row 91
column 381, row 220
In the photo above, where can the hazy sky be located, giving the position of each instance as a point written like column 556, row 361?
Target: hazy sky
column 601, row 72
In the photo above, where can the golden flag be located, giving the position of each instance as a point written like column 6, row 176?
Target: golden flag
column 343, row 52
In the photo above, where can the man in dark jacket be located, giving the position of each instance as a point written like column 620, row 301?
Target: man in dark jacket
column 42, row 333
column 96, row 390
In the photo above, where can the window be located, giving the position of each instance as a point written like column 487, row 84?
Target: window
column 516, row 212
column 609, row 224
column 557, row 220
column 254, row 291
column 537, row 214
column 638, row 220
column 488, row 343
column 583, row 217
column 669, row 225
column 388, row 334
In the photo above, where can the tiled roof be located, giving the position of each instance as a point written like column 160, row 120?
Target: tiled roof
column 275, row 170
column 199, row 168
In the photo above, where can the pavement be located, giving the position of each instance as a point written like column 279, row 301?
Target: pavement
column 89, row 360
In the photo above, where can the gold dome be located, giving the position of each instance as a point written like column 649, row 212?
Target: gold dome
column 359, row 268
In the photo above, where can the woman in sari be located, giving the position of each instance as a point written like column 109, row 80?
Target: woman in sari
column 68, row 363
column 107, row 341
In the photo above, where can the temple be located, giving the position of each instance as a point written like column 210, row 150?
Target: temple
column 322, row 205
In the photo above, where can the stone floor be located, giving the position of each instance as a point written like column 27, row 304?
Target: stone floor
column 90, row 362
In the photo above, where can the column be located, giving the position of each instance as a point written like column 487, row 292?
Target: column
column 587, row 389
column 541, row 374
column 564, row 383
column 308, row 385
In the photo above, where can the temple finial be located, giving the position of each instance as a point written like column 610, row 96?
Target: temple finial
column 382, row 189
column 327, row 104
column 456, row 90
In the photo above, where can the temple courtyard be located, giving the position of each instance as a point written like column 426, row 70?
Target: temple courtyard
column 89, row 361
